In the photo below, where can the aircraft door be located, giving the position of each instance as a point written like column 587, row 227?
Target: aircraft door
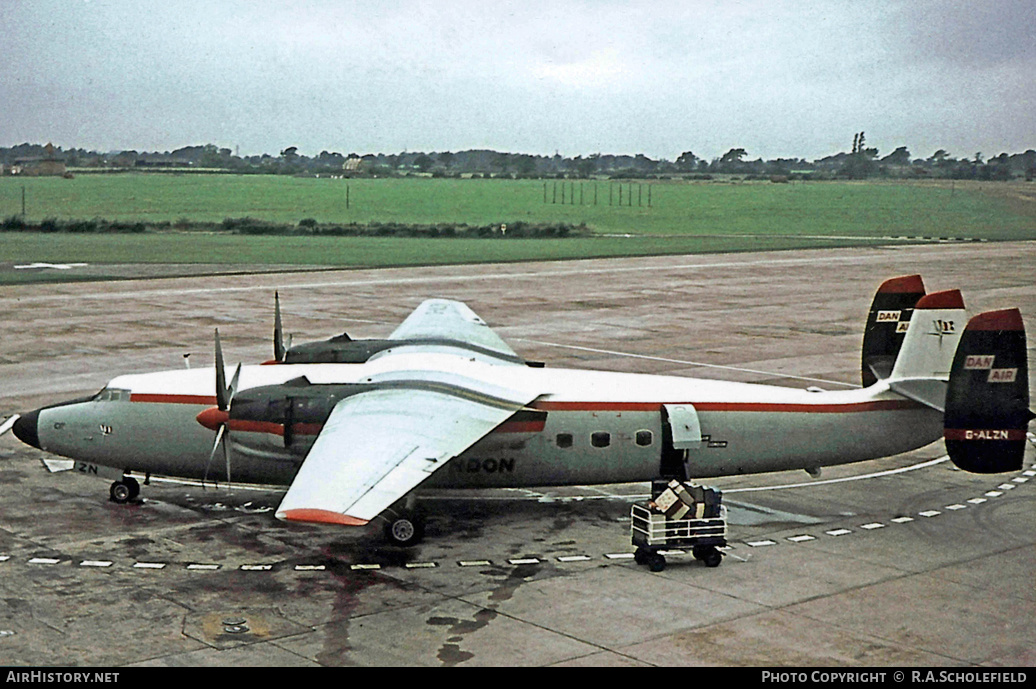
column 681, row 436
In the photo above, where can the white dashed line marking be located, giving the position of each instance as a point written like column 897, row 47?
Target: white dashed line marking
column 763, row 542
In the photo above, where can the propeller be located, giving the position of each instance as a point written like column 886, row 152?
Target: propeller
column 280, row 345
column 224, row 397
column 8, row 424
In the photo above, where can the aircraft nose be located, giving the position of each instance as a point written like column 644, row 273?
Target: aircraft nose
column 25, row 429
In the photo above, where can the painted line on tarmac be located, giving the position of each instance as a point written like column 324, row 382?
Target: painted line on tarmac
column 880, row 257
column 7, row 560
column 686, row 363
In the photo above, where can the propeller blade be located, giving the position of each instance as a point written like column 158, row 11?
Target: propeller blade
column 8, row 424
column 226, row 457
column 215, row 445
column 221, row 378
column 233, row 385
column 279, row 350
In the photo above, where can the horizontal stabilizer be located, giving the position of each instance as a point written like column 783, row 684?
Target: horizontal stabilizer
column 987, row 402
column 927, row 391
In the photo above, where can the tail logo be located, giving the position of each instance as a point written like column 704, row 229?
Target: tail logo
column 979, row 362
column 941, row 327
column 888, row 316
column 1002, row 375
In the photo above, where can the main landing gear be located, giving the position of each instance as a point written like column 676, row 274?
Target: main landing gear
column 124, row 490
column 404, row 527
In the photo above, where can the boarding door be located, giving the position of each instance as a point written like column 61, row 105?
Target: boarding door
column 681, row 439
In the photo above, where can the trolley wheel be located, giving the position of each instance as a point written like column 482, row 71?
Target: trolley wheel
column 640, row 556
column 708, row 554
column 656, row 562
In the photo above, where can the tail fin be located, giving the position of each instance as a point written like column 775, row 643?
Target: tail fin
column 931, row 337
column 987, row 404
column 887, row 323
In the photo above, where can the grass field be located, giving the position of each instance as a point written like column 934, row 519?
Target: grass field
column 682, row 217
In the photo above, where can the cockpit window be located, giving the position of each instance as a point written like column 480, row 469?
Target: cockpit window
column 112, row 395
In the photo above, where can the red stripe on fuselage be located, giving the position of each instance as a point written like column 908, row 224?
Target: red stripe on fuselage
column 156, row 398
column 589, row 406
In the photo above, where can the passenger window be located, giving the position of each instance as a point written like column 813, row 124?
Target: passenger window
column 564, row 440
column 601, row 439
column 645, row 438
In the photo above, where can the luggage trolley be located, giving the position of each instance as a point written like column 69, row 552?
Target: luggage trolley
column 681, row 515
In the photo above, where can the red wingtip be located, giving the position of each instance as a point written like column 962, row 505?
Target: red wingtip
column 1005, row 319
column 949, row 299
column 909, row 284
column 212, row 418
column 315, row 516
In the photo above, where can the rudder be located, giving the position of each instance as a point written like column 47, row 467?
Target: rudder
column 887, row 324
column 987, row 401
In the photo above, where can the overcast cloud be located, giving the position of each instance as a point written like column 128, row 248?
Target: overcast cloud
column 780, row 79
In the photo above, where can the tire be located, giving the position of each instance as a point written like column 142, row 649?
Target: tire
column 124, row 491
column 405, row 530
column 656, row 562
column 713, row 558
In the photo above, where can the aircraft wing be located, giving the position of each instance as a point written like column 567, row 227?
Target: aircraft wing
column 379, row 445
column 443, row 320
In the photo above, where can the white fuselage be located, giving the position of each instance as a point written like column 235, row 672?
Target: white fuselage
column 600, row 427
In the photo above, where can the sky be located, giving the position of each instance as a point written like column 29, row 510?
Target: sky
column 779, row 78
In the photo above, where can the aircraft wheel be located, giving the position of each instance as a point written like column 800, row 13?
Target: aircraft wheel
column 125, row 490
column 405, row 529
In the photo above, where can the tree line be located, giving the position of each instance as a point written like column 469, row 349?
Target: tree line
column 860, row 162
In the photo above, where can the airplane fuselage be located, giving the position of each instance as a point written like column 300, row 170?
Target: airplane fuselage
column 585, row 427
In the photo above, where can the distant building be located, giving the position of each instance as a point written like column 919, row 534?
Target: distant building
column 50, row 165
column 352, row 164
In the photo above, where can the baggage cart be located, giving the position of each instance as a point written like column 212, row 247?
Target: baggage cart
column 653, row 532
